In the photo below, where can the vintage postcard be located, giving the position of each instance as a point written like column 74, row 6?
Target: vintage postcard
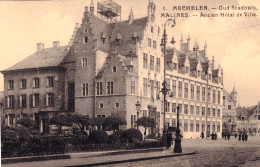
column 130, row 83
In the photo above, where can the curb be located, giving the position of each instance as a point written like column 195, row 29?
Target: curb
column 134, row 160
column 70, row 155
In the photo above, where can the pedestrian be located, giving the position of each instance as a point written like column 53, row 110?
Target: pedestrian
column 243, row 137
column 212, row 136
column 228, row 136
column 169, row 139
column 235, row 135
column 225, row 136
column 239, row 137
column 202, row 135
column 222, row 135
column 246, row 136
column 216, row 136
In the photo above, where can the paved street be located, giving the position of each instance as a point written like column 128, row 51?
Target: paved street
column 208, row 153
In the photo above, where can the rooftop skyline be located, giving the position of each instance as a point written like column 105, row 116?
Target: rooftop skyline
column 232, row 41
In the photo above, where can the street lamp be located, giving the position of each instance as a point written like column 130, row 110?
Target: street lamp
column 177, row 146
column 164, row 89
column 207, row 103
column 138, row 107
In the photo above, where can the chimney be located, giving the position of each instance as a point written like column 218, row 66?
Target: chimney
column 56, row 44
column 40, row 47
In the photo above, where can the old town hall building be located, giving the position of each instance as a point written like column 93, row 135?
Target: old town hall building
column 110, row 67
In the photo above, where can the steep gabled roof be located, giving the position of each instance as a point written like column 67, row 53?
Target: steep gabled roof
column 49, row 57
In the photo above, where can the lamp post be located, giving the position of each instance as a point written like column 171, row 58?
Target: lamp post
column 138, row 106
column 207, row 103
column 164, row 89
column 177, row 146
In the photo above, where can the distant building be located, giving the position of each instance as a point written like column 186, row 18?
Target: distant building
column 249, row 119
column 229, row 110
column 40, row 85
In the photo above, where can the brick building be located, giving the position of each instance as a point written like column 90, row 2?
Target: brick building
column 111, row 66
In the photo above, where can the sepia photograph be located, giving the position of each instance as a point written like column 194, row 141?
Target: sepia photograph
column 122, row 83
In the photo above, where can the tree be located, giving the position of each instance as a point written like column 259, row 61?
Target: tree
column 113, row 122
column 97, row 121
column 60, row 120
column 80, row 120
column 146, row 122
column 226, row 127
column 27, row 122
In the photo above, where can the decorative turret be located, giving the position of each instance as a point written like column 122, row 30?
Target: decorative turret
column 213, row 63
column 234, row 94
column 92, row 7
column 131, row 17
column 196, row 46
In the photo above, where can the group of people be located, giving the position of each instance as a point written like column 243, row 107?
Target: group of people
column 225, row 135
column 214, row 135
column 242, row 136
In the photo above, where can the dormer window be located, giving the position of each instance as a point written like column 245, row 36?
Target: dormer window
column 86, row 30
column 118, row 39
column 209, row 76
column 135, row 37
column 187, row 69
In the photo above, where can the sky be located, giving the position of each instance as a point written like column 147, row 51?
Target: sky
column 233, row 41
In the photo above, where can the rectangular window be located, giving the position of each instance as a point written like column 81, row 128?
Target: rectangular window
column 174, row 107
column 23, row 84
column 168, row 85
column 10, row 101
column 157, row 87
column 185, row 125
column 203, row 109
column 214, row 96
column 203, row 126
column 151, row 29
column 208, row 112
column 167, row 106
column 229, row 107
column 50, row 81
column 34, row 100
column 101, row 105
column 192, row 91
column 114, row 69
column 180, row 108
column 23, row 101
column 198, row 93
column 151, row 62
column 186, row 109
column 173, row 122
column 213, row 127
column 145, row 61
column 218, row 112
column 179, row 89
column 84, row 62
column 213, row 112
column 192, row 109
column 117, row 105
column 186, row 90
column 145, row 85
column 132, row 87
column 191, row 125
column 50, row 99
column 99, row 88
column 85, row 39
column 133, row 121
column 174, row 88
column 218, row 97
column 110, row 88
column 36, row 83
column 197, row 125
column 154, row 44
column 203, row 93
column 158, row 64
column 197, row 110
column 11, row 84
column 149, row 42
column 85, row 89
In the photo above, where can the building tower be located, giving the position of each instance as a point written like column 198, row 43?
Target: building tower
column 234, row 95
column 131, row 17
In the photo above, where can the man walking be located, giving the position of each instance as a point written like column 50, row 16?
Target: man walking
column 228, row 136
column 216, row 136
column 202, row 135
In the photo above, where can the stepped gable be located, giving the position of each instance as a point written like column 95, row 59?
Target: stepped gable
column 49, row 57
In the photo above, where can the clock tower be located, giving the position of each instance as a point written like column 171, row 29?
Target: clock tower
column 151, row 11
